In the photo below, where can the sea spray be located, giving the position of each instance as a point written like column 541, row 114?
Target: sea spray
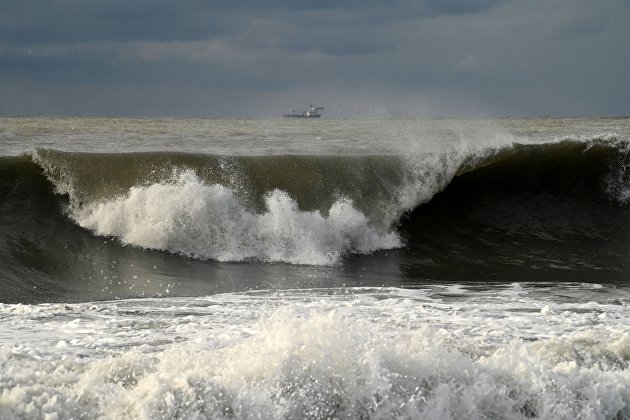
column 187, row 217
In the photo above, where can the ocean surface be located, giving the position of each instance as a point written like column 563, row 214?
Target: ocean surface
column 314, row 269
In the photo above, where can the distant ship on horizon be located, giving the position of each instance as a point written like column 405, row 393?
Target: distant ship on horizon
column 311, row 112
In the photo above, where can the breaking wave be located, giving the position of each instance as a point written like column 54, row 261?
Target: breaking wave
column 208, row 221
column 317, row 209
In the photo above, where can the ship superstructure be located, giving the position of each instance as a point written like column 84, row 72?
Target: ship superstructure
column 311, row 112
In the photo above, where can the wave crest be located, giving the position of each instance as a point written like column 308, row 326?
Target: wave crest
column 187, row 217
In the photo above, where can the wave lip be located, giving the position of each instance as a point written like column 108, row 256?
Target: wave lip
column 187, row 217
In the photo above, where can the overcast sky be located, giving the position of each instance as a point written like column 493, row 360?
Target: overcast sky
column 358, row 58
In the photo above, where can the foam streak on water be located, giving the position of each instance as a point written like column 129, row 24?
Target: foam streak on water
column 439, row 352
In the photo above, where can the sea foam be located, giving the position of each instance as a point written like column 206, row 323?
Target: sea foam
column 187, row 217
column 358, row 353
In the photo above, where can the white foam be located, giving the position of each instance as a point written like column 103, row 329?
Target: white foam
column 372, row 353
column 185, row 216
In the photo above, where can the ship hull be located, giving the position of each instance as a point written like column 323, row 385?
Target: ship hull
column 301, row 116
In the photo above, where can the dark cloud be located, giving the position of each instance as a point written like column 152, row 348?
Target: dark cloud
column 37, row 21
column 510, row 57
column 440, row 7
column 44, row 21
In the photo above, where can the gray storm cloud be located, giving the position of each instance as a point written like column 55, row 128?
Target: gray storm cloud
column 360, row 58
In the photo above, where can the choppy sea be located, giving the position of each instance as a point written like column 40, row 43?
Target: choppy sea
column 292, row 269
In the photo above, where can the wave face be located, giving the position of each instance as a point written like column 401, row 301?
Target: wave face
column 294, row 209
column 559, row 206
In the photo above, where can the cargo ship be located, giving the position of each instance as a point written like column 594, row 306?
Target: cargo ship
column 311, row 112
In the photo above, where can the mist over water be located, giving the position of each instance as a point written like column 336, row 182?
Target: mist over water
column 328, row 269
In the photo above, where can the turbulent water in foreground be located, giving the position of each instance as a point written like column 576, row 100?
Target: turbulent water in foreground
column 314, row 269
